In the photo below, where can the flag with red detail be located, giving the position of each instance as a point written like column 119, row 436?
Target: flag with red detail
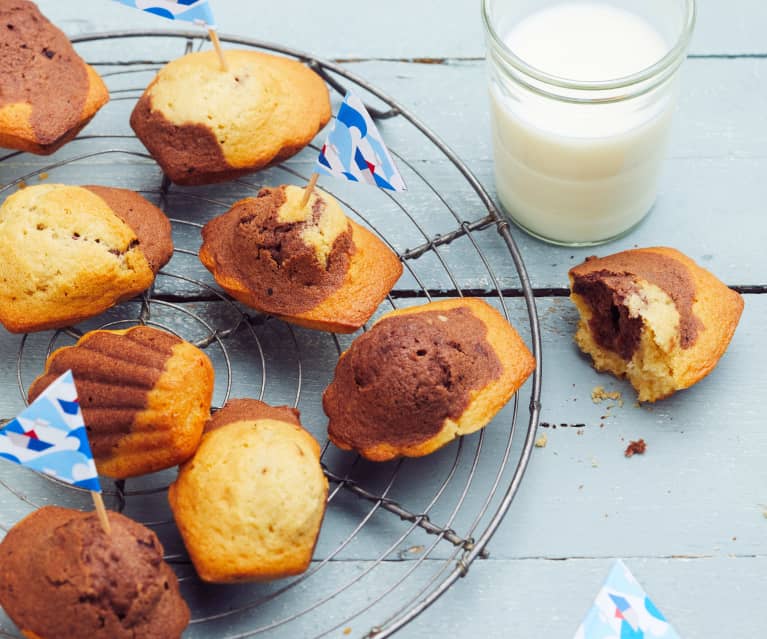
column 355, row 151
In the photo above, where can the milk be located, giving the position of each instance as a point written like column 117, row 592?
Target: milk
column 580, row 173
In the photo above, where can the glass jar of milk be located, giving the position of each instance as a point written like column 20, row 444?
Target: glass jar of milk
column 582, row 94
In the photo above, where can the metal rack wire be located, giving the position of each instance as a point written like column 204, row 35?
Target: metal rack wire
column 460, row 507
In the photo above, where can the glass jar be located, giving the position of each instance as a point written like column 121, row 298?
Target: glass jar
column 577, row 162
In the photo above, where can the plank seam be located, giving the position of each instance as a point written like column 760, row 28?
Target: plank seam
column 446, row 61
column 750, row 289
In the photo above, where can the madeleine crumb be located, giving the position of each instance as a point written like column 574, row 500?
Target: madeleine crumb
column 599, row 394
column 635, row 448
column 541, row 441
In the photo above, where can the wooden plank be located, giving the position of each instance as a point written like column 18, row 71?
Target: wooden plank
column 402, row 29
column 720, row 114
column 698, row 489
column 581, row 496
column 527, row 598
column 714, row 174
column 694, row 214
column 701, row 598
column 720, row 111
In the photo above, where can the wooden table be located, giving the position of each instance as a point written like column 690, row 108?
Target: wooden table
column 689, row 517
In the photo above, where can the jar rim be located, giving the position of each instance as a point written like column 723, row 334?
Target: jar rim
column 668, row 61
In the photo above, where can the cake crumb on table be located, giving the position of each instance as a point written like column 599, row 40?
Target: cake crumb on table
column 347, row 630
column 635, row 448
column 599, row 394
column 541, row 441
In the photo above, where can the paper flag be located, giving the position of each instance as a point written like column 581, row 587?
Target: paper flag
column 49, row 437
column 355, row 150
column 197, row 11
column 622, row 610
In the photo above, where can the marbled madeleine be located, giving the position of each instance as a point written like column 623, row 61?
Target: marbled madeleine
column 422, row 376
column 68, row 253
column 205, row 125
column 653, row 316
column 249, row 504
column 308, row 265
column 47, row 92
column 145, row 396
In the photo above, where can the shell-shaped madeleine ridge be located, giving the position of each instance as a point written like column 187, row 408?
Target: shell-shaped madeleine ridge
column 145, row 396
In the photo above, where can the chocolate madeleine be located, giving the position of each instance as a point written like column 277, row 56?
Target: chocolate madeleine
column 423, row 376
column 63, row 577
column 47, row 92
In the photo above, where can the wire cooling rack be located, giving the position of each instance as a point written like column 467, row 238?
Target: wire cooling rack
column 396, row 536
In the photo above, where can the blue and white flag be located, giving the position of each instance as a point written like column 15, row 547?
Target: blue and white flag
column 622, row 610
column 355, row 150
column 197, row 11
column 49, row 437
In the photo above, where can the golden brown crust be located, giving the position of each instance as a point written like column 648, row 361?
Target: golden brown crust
column 66, row 255
column 707, row 303
column 516, row 364
column 39, row 62
column 204, row 125
column 249, row 504
column 145, row 396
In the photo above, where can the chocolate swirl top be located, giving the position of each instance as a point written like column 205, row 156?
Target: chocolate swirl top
column 399, row 381
column 605, row 283
column 236, row 410
column 39, row 67
column 62, row 576
column 114, row 374
column 289, row 257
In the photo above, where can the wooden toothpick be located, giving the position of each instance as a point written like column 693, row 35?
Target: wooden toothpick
column 308, row 189
column 101, row 511
column 217, row 46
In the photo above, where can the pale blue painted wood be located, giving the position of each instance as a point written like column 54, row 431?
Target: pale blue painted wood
column 397, row 29
column 539, row 599
column 528, row 599
column 712, row 178
column 704, row 461
column 698, row 491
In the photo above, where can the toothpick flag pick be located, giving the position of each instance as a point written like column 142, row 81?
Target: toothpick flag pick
column 49, row 436
column 355, row 151
column 197, row 11
column 622, row 610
